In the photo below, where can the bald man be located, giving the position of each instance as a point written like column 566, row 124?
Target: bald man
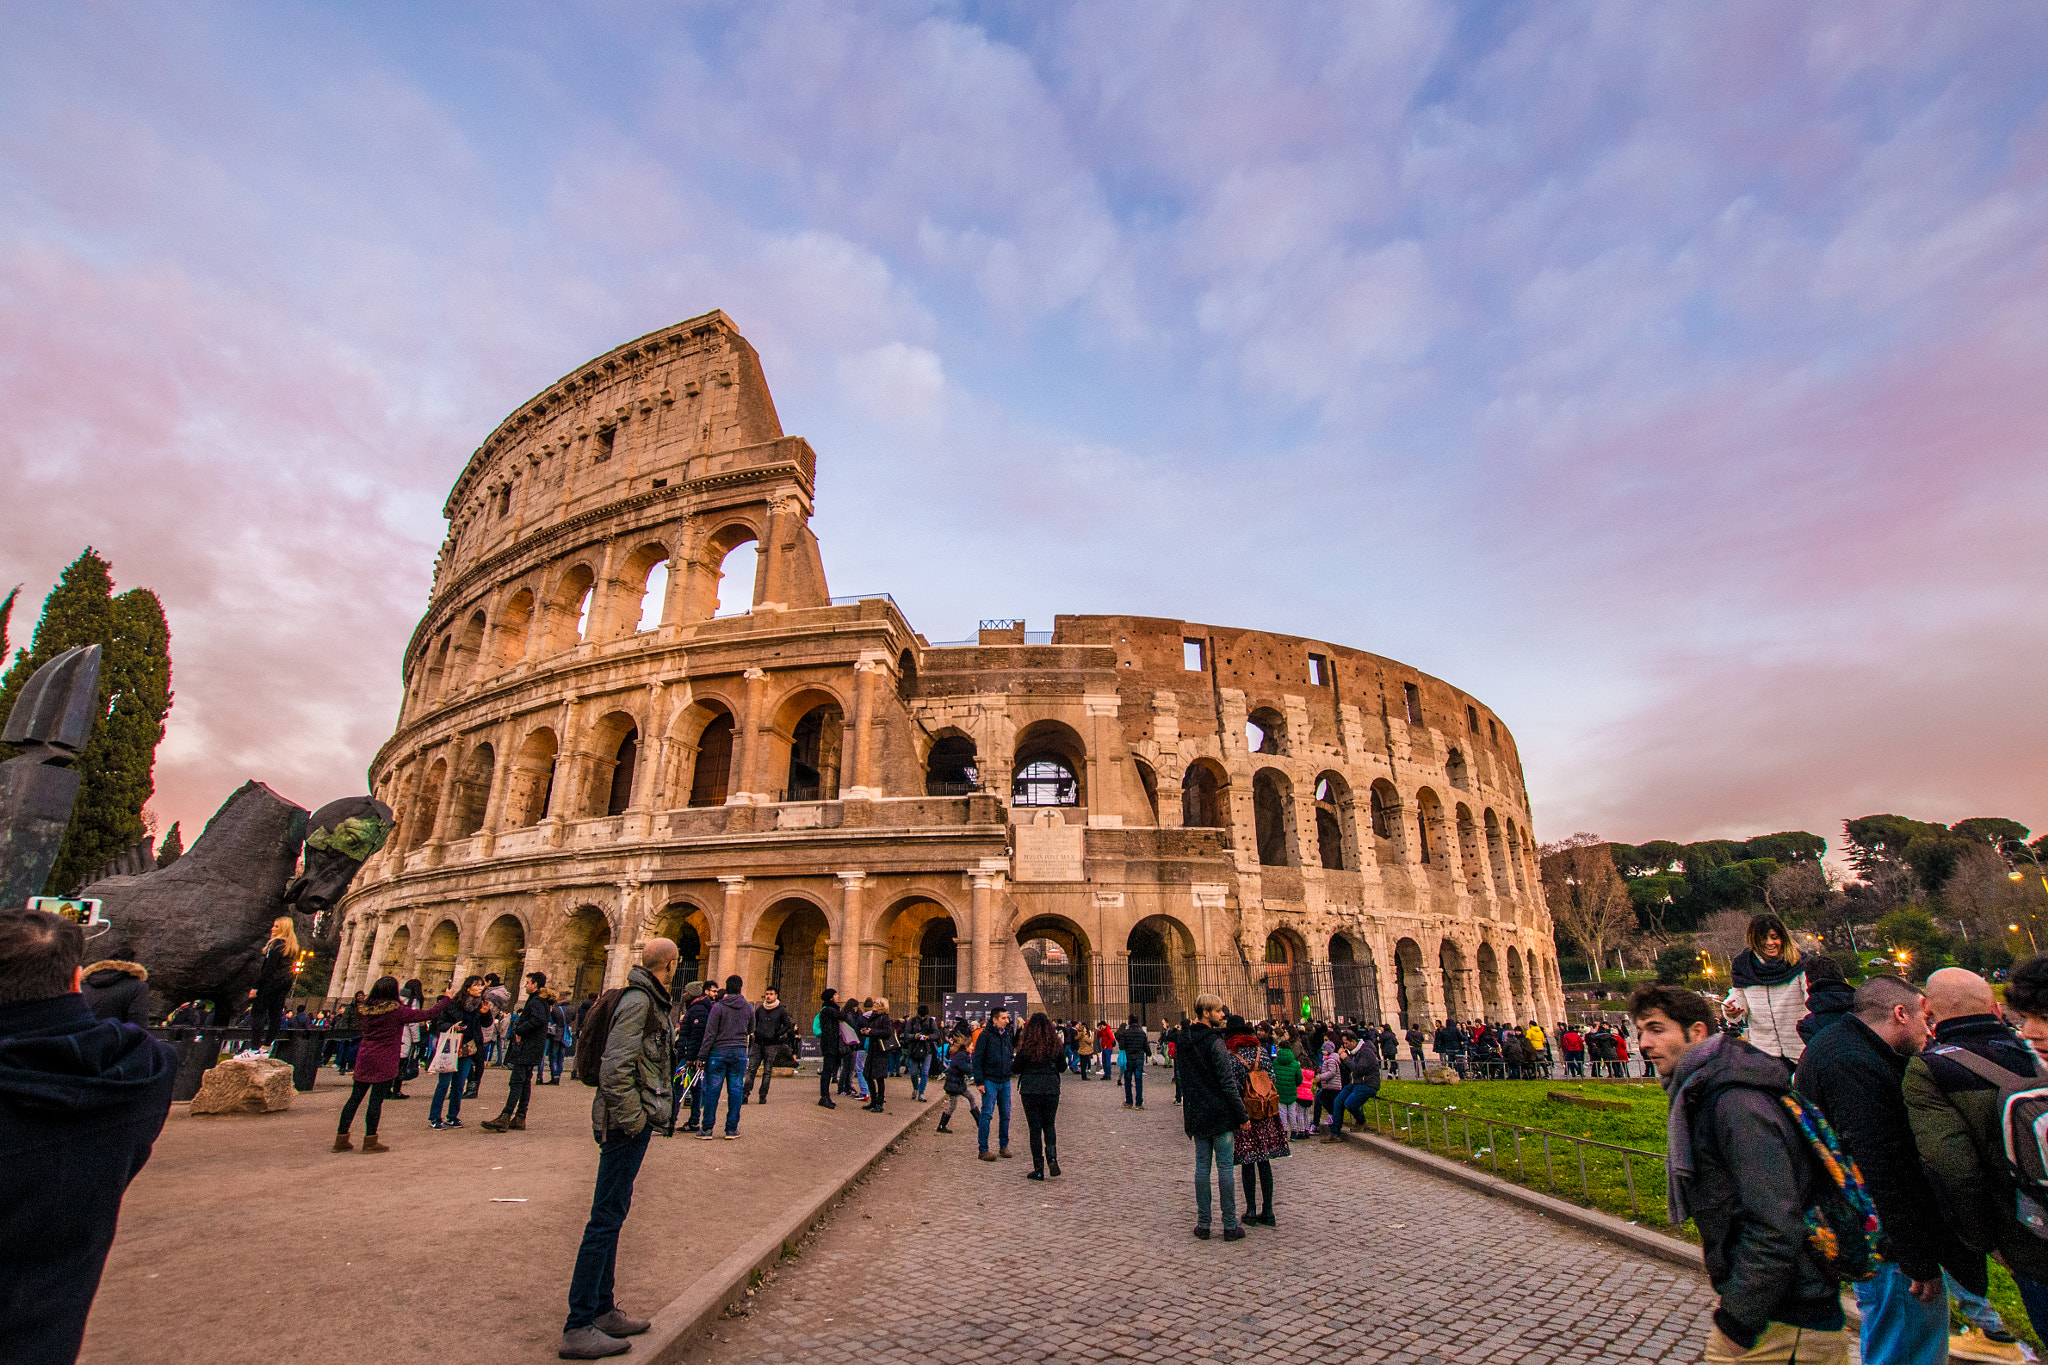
column 632, row 1104
column 1952, row 1103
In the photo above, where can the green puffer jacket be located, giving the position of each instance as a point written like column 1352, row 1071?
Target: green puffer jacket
column 1957, row 1129
column 1286, row 1074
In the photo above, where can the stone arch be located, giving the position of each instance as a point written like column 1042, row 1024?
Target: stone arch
column 467, row 663
column 580, row 957
column 1411, row 983
column 1049, row 766
column 1354, row 979
column 436, row 966
column 715, row 596
column 789, row 949
column 921, row 956
column 810, row 737
column 1496, row 854
column 473, row 789
column 502, row 949
column 1273, row 818
column 1515, row 853
column 906, row 675
column 1148, row 786
column 1388, row 822
column 531, row 794
column 1429, row 827
column 614, row 761
column 426, row 806
column 707, row 779
column 1458, row 1000
column 1205, row 795
column 1058, row 955
column 397, row 954
column 1456, row 771
column 515, row 622
column 1286, row 973
column 685, row 924
column 1265, row 731
column 568, row 611
column 1162, row 969
column 1520, row 1002
column 645, row 581
column 952, row 767
column 1493, row 1004
column 1336, row 827
column 437, row 672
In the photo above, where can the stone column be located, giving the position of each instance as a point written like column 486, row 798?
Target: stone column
column 626, row 938
column 444, row 815
column 345, row 962
column 861, row 761
column 728, row 958
column 533, row 960
column 842, row 951
column 502, row 740
column 1105, row 762
column 771, row 577
column 749, row 744
column 374, row 964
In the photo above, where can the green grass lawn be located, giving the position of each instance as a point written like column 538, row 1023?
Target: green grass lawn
column 1469, row 1106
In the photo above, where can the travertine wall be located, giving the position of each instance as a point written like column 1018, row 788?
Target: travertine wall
column 588, row 756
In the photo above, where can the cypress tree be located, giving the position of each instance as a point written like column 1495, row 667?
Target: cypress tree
column 172, row 848
column 6, row 611
column 119, row 760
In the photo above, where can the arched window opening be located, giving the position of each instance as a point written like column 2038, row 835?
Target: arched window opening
column 1429, row 820
column 1265, row 732
column 1045, row 782
column 814, row 756
column 1332, row 813
column 712, row 777
column 1422, row 833
column 906, row 675
column 467, row 663
column 1201, row 798
column 473, row 792
column 1149, row 781
column 652, row 597
column 625, row 760
column 569, row 609
column 1383, row 811
column 437, row 672
column 1455, row 770
column 428, row 805
column 1496, row 855
column 736, row 579
column 952, row 769
column 1271, row 818
column 533, row 778
column 583, row 614
column 513, row 623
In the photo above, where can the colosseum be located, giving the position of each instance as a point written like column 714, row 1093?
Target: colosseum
column 605, row 737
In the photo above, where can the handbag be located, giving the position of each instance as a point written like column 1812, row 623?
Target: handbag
column 1120, row 1058
column 447, row 1054
column 848, row 1037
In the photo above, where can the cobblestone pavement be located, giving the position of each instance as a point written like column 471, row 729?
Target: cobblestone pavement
column 939, row 1257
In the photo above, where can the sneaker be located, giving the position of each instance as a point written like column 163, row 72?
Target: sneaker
column 707, row 1135
column 1974, row 1343
column 588, row 1343
column 732, row 1137
column 451, row 1123
column 433, row 1123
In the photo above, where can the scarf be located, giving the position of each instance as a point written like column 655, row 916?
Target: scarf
column 1678, row 1167
column 1750, row 969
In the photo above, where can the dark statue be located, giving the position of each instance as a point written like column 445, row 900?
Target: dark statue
column 50, row 723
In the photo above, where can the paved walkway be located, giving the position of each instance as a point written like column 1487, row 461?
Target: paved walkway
column 939, row 1257
column 246, row 1239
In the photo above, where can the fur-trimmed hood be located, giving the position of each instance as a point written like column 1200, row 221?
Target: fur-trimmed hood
column 116, row 969
column 546, row 993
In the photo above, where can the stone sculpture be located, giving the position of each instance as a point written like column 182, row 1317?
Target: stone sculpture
column 51, row 721
column 200, row 924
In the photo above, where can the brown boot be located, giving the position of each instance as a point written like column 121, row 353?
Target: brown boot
column 519, row 1123
column 370, row 1144
column 342, row 1144
column 1003, row 1152
column 497, row 1125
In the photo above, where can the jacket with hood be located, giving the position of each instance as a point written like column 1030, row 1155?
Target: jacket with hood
column 115, row 989
column 529, row 1030
column 1829, row 997
column 81, row 1103
column 729, row 1024
column 1773, row 991
column 690, row 1033
column 636, row 1074
column 1211, row 1100
column 1286, row 1074
column 1752, row 1178
column 383, row 1027
column 1959, row 1131
column 1856, row 1078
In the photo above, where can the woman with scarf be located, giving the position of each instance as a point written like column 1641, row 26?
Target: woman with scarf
column 1769, row 991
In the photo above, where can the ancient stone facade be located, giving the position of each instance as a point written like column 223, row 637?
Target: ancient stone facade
column 802, row 789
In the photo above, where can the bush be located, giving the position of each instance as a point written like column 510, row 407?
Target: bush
column 1676, row 964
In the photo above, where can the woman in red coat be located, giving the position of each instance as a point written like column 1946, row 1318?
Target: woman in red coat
column 383, row 1025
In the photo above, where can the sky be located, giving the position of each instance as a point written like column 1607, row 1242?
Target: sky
column 1669, row 376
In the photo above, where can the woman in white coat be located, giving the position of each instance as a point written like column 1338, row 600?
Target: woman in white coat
column 1770, row 990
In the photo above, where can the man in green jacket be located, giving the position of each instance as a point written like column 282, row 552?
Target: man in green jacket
column 1959, row 1130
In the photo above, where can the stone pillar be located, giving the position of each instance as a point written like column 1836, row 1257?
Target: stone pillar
column 345, row 962
column 533, row 960
column 748, row 744
column 771, row 576
column 1105, row 762
column 842, row 952
column 444, row 815
column 624, row 948
column 728, row 958
column 860, row 762
column 373, row 966
column 501, row 780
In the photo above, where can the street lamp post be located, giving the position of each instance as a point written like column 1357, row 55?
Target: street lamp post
column 2009, row 848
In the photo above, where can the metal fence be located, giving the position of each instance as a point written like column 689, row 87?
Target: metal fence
column 1437, row 1130
column 1158, row 993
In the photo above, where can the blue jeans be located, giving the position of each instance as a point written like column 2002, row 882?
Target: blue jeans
column 449, row 1085
column 1351, row 1100
column 726, row 1067
column 2034, row 1295
column 1222, row 1150
column 920, row 1075
column 1134, row 1084
column 998, row 1092
column 1897, row 1328
column 590, row 1288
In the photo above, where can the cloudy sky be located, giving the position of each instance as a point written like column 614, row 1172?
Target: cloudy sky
column 1673, row 377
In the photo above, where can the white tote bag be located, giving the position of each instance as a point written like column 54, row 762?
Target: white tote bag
column 447, row 1053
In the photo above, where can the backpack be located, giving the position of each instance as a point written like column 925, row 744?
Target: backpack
column 2023, row 1116
column 1842, row 1230
column 1261, row 1096
column 597, row 1031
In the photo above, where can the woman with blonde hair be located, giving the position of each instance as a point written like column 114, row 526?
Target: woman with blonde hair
column 880, row 1032
column 274, row 980
column 1769, row 990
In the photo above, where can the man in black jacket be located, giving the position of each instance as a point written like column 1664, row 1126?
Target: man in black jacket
column 1212, row 1109
column 993, row 1052
column 920, row 1045
column 1853, row 1072
column 774, row 1037
column 1742, row 1170
column 697, row 999
column 828, row 1045
column 1137, row 1046
column 526, row 1042
column 81, row 1103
